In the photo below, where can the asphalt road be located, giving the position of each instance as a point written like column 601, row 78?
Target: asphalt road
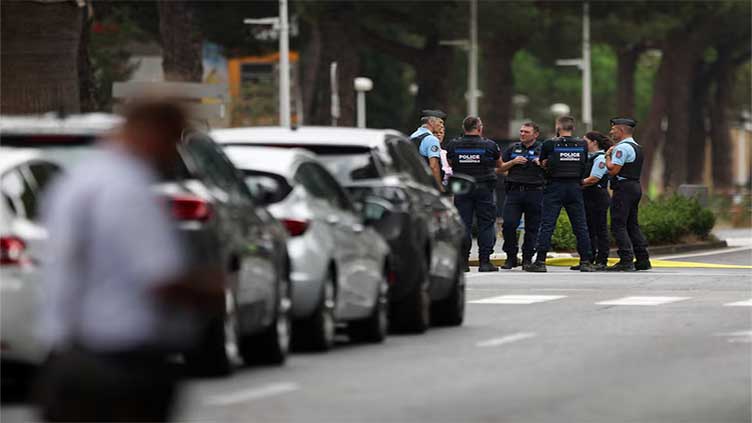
column 557, row 347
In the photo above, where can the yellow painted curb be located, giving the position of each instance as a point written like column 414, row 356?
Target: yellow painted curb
column 656, row 263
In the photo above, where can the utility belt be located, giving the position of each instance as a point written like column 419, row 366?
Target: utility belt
column 615, row 183
column 513, row 187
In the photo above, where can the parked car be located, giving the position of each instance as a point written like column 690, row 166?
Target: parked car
column 221, row 227
column 24, row 175
column 340, row 264
column 426, row 247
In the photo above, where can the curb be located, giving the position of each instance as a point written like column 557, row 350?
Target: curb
column 499, row 259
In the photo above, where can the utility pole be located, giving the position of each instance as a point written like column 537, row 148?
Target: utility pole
column 587, row 97
column 472, row 65
column 284, row 65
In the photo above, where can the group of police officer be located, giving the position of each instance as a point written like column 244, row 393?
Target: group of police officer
column 542, row 178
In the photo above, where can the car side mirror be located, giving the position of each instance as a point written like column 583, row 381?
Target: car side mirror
column 459, row 184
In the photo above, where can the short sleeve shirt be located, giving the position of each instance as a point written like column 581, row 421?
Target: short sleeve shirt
column 518, row 149
column 430, row 146
column 111, row 242
column 599, row 167
column 623, row 152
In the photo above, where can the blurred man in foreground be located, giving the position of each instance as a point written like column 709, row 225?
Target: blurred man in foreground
column 120, row 297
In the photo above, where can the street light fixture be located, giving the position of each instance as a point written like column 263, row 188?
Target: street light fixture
column 362, row 85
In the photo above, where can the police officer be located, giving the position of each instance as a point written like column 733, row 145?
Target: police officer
column 478, row 157
column 427, row 144
column 524, row 193
column 595, row 195
column 564, row 158
column 624, row 163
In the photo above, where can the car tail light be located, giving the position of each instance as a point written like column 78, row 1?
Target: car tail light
column 295, row 227
column 186, row 207
column 391, row 277
column 12, row 251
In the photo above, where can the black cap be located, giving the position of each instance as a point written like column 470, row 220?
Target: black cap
column 433, row 113
column 623, row 121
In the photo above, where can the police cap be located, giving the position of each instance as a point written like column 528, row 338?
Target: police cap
column 433, row 113
column 623, row 121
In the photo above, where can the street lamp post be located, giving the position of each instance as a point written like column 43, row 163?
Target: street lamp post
column 585, row 66
column 472, row 83
column 362, row 85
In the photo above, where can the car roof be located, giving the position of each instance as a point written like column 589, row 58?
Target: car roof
column 10, row 157
column 312, row 135
column 280, row 161
column 52, row 123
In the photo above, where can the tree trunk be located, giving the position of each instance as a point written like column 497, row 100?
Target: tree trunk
column 431, row 74
column 311, row 66
column 653, row 136
column 719, row 126
column 39, row 68
column 625, row 90
column 341, row 43
column 181, row 42
column 498, row 89
column 85, row 73
column 698, row 132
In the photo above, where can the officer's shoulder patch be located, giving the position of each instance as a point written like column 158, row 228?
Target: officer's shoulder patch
column 618, row 154
column 434, row 148
column 601, row 165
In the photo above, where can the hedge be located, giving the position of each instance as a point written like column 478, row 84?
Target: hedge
column 668, row 220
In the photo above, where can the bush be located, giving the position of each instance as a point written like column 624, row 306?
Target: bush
column 667, row 220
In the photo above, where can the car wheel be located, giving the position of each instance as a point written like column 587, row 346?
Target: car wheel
column 317, row 332
column 413, row 314
column 375, row 327
column 451, row 310
column 272, row 345
column 212, row 356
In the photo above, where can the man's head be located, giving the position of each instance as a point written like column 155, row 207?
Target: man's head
column 565, row 125
column 622, row 128
column 472, row 125
column 432, row 123
column 529, row 132
column 152, row 130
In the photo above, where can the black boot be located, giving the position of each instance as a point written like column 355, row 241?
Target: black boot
column 586, row 266
column 537, row 267
column 527, row 261
column 511, row 262
column 575, row 267
column 487, row 266
column 600, row 266
column 643, row 264
column 622, row 266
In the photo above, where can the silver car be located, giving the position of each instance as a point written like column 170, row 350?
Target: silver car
column 24, row 174
column 339, row 262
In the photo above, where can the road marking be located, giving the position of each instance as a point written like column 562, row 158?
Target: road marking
column 744, row 336
column 747, row 303
column 518, row 299
column 252, row 394
column 643, row 301
column 707, row 253
column 495, row 342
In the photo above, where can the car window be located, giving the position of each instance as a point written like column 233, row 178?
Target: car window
column 319, row 183
column 19, row 194
column 408, row 160
column 213, row 164
column 43, row 173
column 347, row 168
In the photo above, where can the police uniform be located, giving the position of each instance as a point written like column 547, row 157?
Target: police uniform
column 625, row 227
column 524, row 195
column 567, row 161
column 425, row 141
column 596, row 207
column 476, row 156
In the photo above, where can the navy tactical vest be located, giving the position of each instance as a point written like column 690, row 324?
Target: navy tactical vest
column 603, row 183
column 472, row 157
column 632, row 170
column 569, row 158
column 416, row 142
column 528, row 173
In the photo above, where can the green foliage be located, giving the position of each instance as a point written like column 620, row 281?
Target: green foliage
column 563, row 238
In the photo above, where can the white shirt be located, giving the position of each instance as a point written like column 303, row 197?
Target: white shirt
column 110, row 242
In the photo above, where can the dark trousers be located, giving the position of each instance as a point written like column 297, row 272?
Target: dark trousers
column 567, row 194
column 596, row 211
column 82, row 386
column 630, row 241
column 518, row 203
column 479, row 203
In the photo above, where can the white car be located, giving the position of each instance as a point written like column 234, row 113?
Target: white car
column 339, row 263
column 24, row 174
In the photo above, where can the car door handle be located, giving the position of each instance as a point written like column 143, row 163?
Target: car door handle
column 357, row 228
column 332, row 219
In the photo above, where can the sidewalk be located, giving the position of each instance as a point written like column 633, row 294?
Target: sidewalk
column 741, row 237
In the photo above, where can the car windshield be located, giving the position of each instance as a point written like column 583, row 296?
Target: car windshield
column 351, row 167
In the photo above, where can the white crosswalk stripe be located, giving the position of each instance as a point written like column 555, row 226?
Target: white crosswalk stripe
column 747, row 303
column 519, row 299
column 643, row 301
